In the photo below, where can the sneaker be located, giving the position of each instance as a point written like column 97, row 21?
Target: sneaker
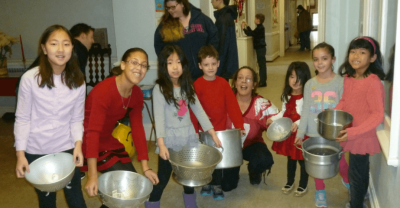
column 347, row 185
column 206, row 190
column 287, row 188
column 83, row 175
column 300, row 191
column 218, row 194
column 255, row 178
column 320, row 198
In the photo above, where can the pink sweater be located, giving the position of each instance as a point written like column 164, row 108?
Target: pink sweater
column 364, row 99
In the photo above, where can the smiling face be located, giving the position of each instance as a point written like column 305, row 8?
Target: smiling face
column 296, row 87
column 58, row 49
column 209, row 66
column 323, row 61
column 360, row 59
column 133, row 68
column 175, row 9
column 174, row 68
column 245, row 82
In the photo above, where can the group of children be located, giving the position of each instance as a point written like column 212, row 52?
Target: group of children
column 51, row 105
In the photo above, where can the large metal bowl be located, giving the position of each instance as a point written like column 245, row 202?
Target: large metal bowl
column 124, row 189
column 280, row 129
column 52, row 172
column 331, row 122
column 231, row 141
column 194, row 166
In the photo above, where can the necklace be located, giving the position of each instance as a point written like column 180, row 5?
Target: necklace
column 123, row 104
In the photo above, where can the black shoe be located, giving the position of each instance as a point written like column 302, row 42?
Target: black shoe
column 262, row 85
column 83, row 175
column 255, row 178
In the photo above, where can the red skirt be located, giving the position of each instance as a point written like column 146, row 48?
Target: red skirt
column 287, row 147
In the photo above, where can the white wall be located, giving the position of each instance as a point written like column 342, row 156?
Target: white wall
column 31, row 18
column 342, row 26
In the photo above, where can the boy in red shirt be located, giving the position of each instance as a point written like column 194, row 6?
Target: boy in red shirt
column 219, row 102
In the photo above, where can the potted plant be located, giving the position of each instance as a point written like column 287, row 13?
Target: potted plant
column 6, row 41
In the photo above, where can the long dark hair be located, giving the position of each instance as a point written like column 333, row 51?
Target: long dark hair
column 325, row 46
column 303, row 75
column 71, row 76
column 255, row 80
column 117, row 70
column 172, row 29
column 374, row 68
column 164, row 80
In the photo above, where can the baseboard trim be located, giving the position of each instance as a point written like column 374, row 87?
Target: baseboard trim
column 272, row 57
column 6, row 109
column 373, row 199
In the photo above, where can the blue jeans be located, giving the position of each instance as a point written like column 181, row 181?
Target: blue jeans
column 359, row 179
column 73, row 196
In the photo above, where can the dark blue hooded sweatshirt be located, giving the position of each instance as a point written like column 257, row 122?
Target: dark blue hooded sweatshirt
column 227, row 48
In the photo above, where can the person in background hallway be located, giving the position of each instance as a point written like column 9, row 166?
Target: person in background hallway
column 228, row 53
column 83, row 41
column 186, row 26
column 304, row 26
column 259, row 45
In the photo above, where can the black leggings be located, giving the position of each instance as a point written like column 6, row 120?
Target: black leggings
column 259, row 157
column 291, row 172
column 228, row 178
column 164, row 173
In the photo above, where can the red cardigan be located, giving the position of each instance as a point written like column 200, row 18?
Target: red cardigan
column 103, row 109
column 219, row 102
column 364, row 100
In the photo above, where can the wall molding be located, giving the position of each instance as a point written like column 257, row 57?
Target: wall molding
column 273, row 56
column 272, row 34
column 373, row 199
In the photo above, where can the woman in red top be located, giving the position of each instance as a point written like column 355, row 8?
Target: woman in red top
column 255, row 111
column 106, row 104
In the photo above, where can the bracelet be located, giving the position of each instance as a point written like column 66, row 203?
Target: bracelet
column 147, row 170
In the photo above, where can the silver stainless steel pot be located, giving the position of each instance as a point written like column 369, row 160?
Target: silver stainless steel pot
column 321, row 157
column 232, row 147
column 331, row 122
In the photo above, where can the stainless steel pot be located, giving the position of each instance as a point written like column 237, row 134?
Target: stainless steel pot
column 321, row 157
column 331, row 122
column 232, row 147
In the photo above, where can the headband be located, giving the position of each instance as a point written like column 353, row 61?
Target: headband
column 369, row 40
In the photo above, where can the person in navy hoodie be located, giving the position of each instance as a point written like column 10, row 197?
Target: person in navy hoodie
column 186, row 26
column 227, row 49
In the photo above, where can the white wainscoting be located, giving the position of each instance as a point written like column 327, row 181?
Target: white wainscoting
column 272, row 40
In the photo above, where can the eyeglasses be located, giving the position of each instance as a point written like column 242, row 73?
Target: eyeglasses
column 247, row 79
column 136, row 64
column 171, row 7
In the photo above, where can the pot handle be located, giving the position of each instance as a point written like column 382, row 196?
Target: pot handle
column 298, row 147
column 340, row 154
column 220, row 148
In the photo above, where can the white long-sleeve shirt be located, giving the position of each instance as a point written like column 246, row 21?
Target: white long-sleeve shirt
column 48, row 120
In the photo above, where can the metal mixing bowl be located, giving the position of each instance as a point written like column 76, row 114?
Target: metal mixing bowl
column 331, row 122
column 194, row 166
column 124, row 189
column 280, row 129
column 52, row 172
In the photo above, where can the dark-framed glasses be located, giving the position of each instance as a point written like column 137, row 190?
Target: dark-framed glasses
column 171, row 7
column 136, row 64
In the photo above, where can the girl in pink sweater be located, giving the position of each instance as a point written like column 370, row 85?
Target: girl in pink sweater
column 363, row 97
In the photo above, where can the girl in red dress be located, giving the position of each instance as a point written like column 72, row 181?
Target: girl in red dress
column 297, row 75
